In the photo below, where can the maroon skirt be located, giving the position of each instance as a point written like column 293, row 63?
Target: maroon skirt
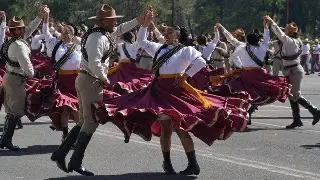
column 254, row 85
column 127, row 77
column 42, row 65
column 201, row 80
column 138, row 112
column 44, row 100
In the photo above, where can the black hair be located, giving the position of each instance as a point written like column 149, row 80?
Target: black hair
column 128, row 36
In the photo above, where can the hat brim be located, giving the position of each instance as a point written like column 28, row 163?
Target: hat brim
column 8, row 27
column 112, row 17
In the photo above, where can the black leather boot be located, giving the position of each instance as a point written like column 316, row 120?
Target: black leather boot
column 60, row 154
column 311, row 108
column 193, row 167
column 75, row 163
column 19, row 124
column 167, row 165
column 8, row 131
column 251, row 110
column 296, row 116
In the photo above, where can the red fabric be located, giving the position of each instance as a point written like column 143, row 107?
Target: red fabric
column 201, row 80
column 137, row 112
column 128, row 78
column 42, row 65
column 42, row 100
column 257, row 86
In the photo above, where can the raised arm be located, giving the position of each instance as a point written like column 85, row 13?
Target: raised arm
column 50, row 40
column 266, row 35
column 150, row 47
column 277, row 31
column 35, row 23
column 125, row 27
column 157, row 33
column 207, row 51
column 235, row 42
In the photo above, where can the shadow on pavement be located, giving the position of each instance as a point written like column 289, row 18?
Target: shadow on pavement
column 268, row 117
column 31, row 123
column 131, row 176
column 252, row 129
column 30, row 150
column 311, row 146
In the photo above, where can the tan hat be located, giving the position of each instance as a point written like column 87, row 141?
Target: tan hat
column 239, row 32
column 15, row 22
column 106, row 12
column 292, row 27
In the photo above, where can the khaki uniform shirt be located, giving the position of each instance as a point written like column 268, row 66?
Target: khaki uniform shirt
column 290, row 46
column 19, row 51
column 97, row 45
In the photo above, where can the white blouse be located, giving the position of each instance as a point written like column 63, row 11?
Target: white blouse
column 179, row 62
column 131, row 48
column 74, row 60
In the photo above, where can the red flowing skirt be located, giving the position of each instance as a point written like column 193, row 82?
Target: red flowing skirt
column 129, row 78
column 42, row 65
column 201, row 80
column 43, row 100
column 138, row 112
column 256, row 86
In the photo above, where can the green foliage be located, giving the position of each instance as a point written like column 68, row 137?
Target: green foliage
column 203, row 14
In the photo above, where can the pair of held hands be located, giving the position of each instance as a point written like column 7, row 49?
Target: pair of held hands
column 43, row 9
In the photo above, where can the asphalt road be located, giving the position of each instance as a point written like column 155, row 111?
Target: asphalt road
column 266, row 151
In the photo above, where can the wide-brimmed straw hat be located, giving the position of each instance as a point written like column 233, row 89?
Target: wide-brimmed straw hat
column 106, row 12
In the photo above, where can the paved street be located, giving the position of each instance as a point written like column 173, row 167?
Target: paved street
column 266, row 152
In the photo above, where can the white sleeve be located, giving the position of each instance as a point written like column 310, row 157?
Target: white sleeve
column 2, row 31
column 124, row 27
column 194, row 57
column 150, row 47
column 50, row 40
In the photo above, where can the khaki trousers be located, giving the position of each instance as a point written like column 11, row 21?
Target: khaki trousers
column 218, row 64
column 277, row 66
column 14, row 94
column 145, row 63
column 227, row 65
column 89, row 90
column 295, row 76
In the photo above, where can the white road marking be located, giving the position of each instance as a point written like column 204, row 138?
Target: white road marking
column 224, row 158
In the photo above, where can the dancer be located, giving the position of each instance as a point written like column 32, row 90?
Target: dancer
column 290, row 53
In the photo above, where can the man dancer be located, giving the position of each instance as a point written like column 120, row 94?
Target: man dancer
column 16, row 52
column 97, row 45
column 290, row 53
